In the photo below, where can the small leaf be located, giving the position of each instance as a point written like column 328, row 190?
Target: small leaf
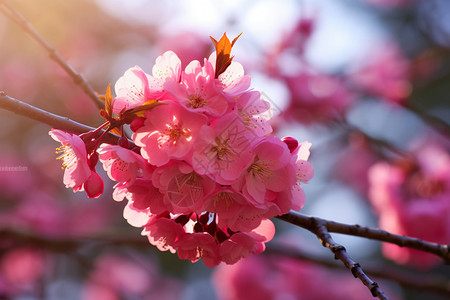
column 139, row 111
column 223, row 53
column 116, row 131
column 108, row 101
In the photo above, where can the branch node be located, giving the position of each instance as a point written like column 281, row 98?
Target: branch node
column 374, row 289
column 355, row 269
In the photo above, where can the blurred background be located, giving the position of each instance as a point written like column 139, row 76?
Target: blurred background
column 367, row 82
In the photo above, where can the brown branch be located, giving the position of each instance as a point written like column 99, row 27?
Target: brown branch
column 20, row 20
column 433, row 284
column 54, row 121
column 308, row 222
column 320, row 230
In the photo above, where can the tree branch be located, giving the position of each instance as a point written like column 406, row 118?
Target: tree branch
column 54, row 121
column 308, row 222
column 20, row 20
column 433, row 284
column 320, row 230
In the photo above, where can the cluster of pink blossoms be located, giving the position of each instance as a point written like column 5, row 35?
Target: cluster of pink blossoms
column 205, row 175
column 411, row 197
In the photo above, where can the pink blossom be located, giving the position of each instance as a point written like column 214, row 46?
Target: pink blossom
column 184, row 190
column 132, row 89
column 270, row 170
column 168, row 132
column 143, row 197
column 411, row 198
column 167, row 68
column 250, row 108
column 232, row 82
column 303, row 168
column 164, row 233
column 199, row 245
column 74, row 157
column 242, row 244
column 121, row 164
column 234, row 210
column 136, row 87
column 197, row 91
column 78, row 175
column 223, row 151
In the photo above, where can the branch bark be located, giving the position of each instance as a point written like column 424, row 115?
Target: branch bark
column 54, row 121
column 433, row 283
column 309, row 222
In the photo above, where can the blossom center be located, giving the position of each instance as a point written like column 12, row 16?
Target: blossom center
column 174, row 131
column 222, row 149
column 222, row 197
column 196, row 101
column 67, row 155
column 260, row 169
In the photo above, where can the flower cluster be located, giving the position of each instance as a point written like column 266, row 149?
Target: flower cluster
column 411, row 198
column 204, row 174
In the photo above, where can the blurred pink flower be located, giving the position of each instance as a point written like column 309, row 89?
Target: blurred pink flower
column 411, row 198
column 134, row 276
column 292, row 42
column 22, row 268
column 354, row 162
column 317, row 97
column 271, row 278
column 385, row 74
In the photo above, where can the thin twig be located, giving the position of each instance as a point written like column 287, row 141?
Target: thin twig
column 433, row 284
column 54, row 121
column 308, row 222
column 20, row 20
column 320, row 230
